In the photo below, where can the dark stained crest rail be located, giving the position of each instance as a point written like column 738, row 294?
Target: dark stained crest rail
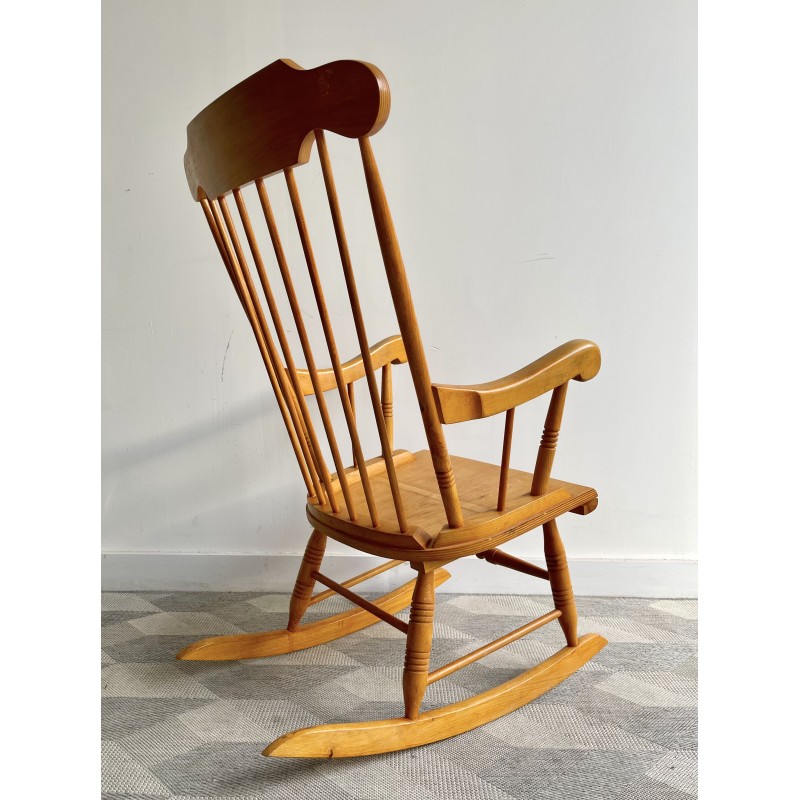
column 266, row 123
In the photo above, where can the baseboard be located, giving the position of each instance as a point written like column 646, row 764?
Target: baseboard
column 237, row 572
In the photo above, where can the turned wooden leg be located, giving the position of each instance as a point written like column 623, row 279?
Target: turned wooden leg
column 418, row 644
column 304, row 585
column 560, row 583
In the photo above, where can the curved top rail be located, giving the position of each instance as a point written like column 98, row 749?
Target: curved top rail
column 266, row 123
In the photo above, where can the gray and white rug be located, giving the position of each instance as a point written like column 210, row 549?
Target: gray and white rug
column 624, row 726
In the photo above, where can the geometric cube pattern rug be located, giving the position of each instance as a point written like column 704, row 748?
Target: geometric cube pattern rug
column 624, row 726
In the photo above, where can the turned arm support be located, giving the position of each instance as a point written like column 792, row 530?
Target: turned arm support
column 387, row 351
column 576, row 360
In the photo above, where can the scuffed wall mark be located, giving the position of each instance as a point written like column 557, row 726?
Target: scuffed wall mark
column 538, row 258
column 227, row 347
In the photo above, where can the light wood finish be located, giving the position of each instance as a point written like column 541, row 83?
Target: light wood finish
column 418, row 644
column 576, row 360
column 387, row 351
column 308, row 352
column 304, row 584
column 512, row 562
column 373, row 609
column 290, row 381
column 247, row 295
column 388, row 735
column 402, row 506
column 407, row 319
column 586, row 508
column 387, row 402
column 469, row 658
column 215, row 232
column 330, row 340
column 294, row 305
column 354, row 581
column 273, row 643
column 376, row 466
column 504, row 461
column 351, row 398
column 358, row 319
column 547, row 448
column 429, row 537
column 248, row 290
column 292, row 372
column 560, row 582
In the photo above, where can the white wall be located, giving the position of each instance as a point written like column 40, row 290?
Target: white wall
column 540, row 163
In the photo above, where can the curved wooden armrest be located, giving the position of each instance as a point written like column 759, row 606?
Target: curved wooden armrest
column 387, row 350
column 576, row 360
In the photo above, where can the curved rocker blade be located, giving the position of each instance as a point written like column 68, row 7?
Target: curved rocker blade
column 389, row 735
column 273, row 643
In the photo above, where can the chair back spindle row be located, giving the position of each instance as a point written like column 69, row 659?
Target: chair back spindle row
column 230, row 147
column 267, row 126
column 361, row 333
column 260, row 314
column 293, row 397
column 249, row 302
column 407, row 320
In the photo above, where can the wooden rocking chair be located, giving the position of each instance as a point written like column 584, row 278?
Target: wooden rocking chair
column 426, row 508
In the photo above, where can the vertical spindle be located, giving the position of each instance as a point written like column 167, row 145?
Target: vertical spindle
column 358, row 319
column 387, row 403
column 407, row 319
column 263, row 340
column 327, row 329
column 547, row 448
column 509, row 429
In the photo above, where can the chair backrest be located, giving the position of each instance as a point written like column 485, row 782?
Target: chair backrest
column 268, row 124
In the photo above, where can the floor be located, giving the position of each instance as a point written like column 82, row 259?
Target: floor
column 624, row 726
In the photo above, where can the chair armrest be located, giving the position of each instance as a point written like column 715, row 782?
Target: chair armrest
column 576, row 360
column 389, row 350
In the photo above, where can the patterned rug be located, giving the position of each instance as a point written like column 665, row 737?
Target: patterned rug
column 624, row 726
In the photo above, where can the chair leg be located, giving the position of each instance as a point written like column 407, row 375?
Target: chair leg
column 346, row 739
column 304, row 585
column 560, row 582
column 418, row 644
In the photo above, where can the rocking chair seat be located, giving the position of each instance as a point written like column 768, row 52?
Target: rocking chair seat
column 429, row 537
